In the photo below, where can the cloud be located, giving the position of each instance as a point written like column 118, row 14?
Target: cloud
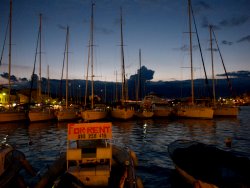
column 201, row 5
column 226, row 42
column 104, row 30
column 146, row 74
column 243, row 39
column 236, row 21
column 205, row 24
column 185, row 48
column 238, row 74
column 214, row 49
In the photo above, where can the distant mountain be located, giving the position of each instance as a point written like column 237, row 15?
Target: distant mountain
column 167, row 89
column 109, row 91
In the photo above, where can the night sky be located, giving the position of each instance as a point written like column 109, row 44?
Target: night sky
column 157, row 27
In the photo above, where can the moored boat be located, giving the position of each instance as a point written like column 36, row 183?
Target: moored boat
column 11, row 115
column 123, row 113
column 41, row 114
column 92, row 161
column 65, row 114
column 94, row 114
column 195, row 111
column 208, row 166
column 222, row 110
column 159, row 106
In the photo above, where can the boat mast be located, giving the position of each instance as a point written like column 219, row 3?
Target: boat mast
column 10, row 33
column 92, row 52
column 138, row 93
column 190, row 48
column 48, row 93
column 122, row 63
column 212, row 61
column 67, row 64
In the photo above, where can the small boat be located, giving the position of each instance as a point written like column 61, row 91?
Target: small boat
column 11, row 162
column 207, row 166
column 92, row 161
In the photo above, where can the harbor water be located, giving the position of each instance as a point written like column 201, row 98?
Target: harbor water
column 42, row 143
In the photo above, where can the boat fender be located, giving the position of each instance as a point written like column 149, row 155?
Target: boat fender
column 134, row 157
column 139, row 183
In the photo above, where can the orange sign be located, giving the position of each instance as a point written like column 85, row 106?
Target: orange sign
column 89, row 131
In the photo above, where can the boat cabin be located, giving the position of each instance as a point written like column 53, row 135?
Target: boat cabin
column 89, row 154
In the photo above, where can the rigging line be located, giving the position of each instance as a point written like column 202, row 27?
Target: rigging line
column 196, row 31
column 228, row 80
column 4, row 41
column 64, row 56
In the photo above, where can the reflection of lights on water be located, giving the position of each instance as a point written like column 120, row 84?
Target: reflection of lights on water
column 145, row 129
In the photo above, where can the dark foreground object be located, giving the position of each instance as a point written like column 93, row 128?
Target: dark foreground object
column 207, row 165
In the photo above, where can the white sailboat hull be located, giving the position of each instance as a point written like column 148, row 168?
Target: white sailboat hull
column 41, row 115
column 226, row 111
column 12, row 116
column 122, row 113
column 195, row 112
column 93, row 115
column 66, row 114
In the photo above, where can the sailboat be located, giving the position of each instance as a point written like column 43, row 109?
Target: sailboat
column 220, row 109
column 11, row 114
column 124, row 111
column 40, row 112
column 67, row 113
column 193, row 110
column 144, row 111
column 96, row 112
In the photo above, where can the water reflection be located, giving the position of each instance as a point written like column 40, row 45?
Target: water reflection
column 149, row 139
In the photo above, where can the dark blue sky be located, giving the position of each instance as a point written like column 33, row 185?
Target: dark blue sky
column 157, row 27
